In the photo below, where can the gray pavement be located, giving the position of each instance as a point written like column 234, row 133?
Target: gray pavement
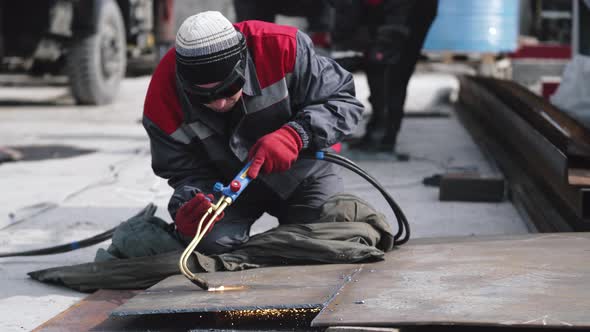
column 55, row 201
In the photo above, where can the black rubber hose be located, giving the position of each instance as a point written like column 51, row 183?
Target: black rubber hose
column 64, row 247
column 402, row 221
column 403, row 225
column 150, row 209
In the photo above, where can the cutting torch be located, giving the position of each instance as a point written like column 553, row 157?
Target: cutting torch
column 229, row 194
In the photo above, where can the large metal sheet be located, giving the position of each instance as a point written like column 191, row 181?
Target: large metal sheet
column 290, row 287
column 533, row 280
column 92, row 314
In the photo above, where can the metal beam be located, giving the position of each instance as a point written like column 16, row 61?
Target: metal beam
column 471, row 187
column 517, row 123
column 88, row 313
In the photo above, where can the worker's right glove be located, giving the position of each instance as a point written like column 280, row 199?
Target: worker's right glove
column 275, row 152
column 190, row 213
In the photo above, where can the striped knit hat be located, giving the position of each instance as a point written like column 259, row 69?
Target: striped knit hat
column 207, row 48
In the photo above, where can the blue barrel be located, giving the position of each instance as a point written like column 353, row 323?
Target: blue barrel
column 463, row 26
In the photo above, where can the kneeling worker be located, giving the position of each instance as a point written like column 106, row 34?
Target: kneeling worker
column 227, row 94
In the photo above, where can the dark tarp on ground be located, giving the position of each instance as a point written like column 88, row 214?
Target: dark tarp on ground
column 145, row 249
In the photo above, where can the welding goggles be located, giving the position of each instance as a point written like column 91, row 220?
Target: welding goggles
column 227, row 88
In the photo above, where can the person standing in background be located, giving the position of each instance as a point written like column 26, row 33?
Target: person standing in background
column 397, row 30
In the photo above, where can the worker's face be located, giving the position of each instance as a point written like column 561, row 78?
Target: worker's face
column 223, row 104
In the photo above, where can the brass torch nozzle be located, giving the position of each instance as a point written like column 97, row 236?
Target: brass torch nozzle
column 208, row 219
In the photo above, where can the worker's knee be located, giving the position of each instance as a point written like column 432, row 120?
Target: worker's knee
column 211, row 245
column 223, row 239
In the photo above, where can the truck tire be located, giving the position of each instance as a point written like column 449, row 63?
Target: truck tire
column 96, row 64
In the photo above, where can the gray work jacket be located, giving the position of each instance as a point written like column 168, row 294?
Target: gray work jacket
column 194, row 147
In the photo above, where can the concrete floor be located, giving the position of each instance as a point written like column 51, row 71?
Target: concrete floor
column 50, row 202
column 55, row 201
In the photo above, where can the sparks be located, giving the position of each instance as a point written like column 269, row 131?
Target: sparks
column 269, row 314
column 224, row 288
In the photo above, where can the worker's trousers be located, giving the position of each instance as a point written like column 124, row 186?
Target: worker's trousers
column 303, row 206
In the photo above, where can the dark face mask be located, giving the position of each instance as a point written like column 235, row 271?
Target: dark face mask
column 227, row 88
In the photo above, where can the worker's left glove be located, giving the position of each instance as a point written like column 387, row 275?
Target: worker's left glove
column 190, row 213
column 275, row 152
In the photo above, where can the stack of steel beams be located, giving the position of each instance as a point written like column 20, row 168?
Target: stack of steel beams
column 549, row 146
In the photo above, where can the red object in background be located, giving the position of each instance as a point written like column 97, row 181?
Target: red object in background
column 559, row 53
column 164, row 23
column 543, row 51
column 548, row 89
column 374, row 2
column 321, row 39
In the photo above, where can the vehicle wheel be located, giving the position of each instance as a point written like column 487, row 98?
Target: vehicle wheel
column 96, row 64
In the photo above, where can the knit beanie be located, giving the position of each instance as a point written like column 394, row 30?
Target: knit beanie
column 207, row 48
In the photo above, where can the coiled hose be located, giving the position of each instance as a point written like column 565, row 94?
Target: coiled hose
column 402, row 222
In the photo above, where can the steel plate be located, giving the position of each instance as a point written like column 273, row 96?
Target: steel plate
column 533, row 280
column 291, row 287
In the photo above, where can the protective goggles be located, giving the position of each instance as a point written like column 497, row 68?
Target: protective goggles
column 227, row 88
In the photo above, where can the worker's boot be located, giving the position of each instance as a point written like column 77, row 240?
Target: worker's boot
column 388, row 144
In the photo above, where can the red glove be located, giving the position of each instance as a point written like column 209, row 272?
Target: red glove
column 275, row 152
column 190, row 213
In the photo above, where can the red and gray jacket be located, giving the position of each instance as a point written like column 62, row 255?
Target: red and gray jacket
column 286, row 83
